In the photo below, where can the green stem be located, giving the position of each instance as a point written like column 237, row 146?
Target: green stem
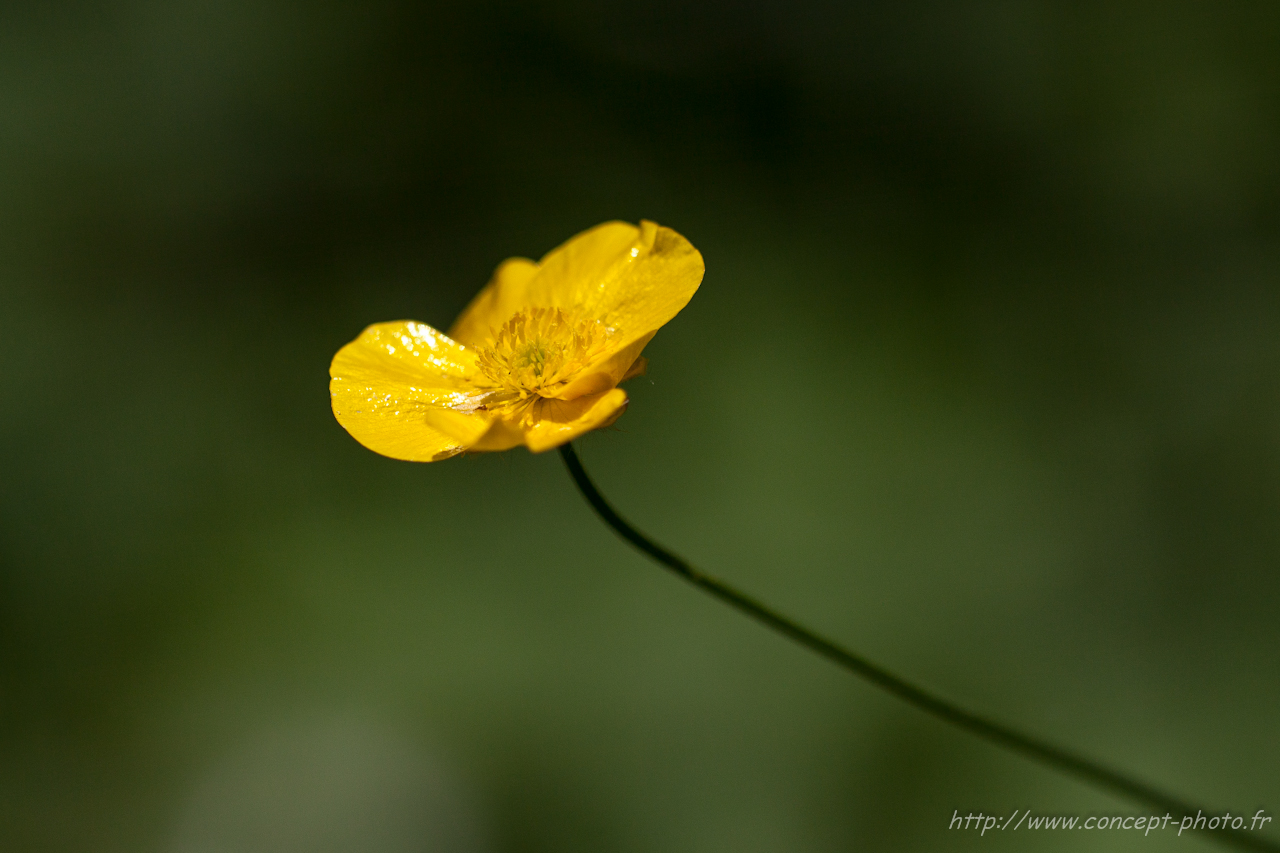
column 1033, row 748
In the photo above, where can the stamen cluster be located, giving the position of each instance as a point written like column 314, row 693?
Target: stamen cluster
column 537, row 353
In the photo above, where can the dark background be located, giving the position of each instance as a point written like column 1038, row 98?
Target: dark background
column 983, row 380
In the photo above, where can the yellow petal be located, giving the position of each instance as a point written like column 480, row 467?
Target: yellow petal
column 466, row 429
column 395, row 389
column 502, row 297
column 639, row 367
column 634, row 279
column 607, row 373
column 559, row 421
column 501, row 435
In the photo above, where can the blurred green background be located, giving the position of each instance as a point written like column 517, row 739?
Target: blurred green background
column 983, row 380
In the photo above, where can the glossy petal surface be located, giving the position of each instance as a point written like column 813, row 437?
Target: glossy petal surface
column 633, row 279
column 395, row 389
column 535, row 359
column 504, row 295
column 608, row 373
column 560, row 421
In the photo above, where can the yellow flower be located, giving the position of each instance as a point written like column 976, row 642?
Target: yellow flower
column 535, row 359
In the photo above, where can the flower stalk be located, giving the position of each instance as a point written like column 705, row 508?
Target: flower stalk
column 1057, row 758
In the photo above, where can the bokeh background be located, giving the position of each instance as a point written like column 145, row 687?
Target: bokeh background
column 983, row 380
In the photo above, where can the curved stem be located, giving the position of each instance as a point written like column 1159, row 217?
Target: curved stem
column 1033, row 748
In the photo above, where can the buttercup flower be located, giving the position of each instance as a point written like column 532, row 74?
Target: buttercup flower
column 535, row 359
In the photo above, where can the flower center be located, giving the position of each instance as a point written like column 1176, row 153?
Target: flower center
column 536, row 353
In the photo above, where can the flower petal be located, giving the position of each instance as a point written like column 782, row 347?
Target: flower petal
column 634, row 279
column 639, row 367
column 402, row 389
column 608, row 373
column 501, row 298
column 560, row 421
column 502, row 435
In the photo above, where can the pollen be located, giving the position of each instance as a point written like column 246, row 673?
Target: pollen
column 535, row 354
